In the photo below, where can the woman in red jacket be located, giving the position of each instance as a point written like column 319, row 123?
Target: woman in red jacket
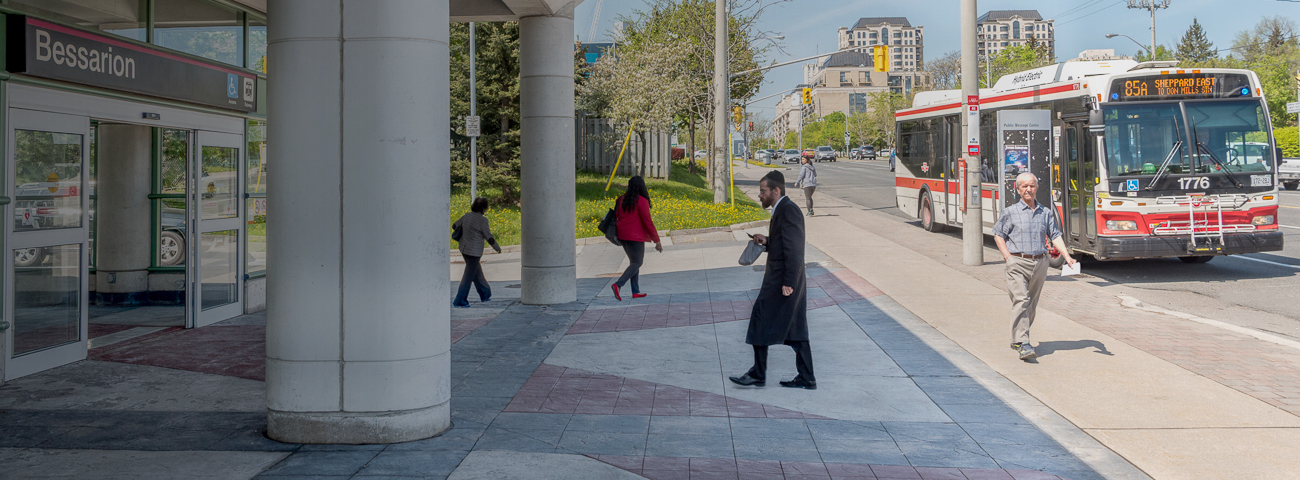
column 632, row 212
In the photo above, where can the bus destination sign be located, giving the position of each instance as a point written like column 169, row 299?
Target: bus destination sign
column 1180, row 86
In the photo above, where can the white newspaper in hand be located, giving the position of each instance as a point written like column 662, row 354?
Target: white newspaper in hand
column 1068, row 270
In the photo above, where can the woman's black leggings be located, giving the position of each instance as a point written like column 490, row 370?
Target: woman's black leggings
column 635, row 256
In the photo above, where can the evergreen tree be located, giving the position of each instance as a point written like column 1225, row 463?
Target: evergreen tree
column 1195, row 48
column 497, row 77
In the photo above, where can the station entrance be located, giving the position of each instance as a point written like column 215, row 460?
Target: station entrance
column 123, row 215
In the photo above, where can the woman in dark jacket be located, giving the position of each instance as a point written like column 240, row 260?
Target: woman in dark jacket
column 632, row 211
column 474, row 231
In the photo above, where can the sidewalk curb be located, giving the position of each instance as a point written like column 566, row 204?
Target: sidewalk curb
column 1131, row 302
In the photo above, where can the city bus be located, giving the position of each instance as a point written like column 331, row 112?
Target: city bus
column 1137, row 160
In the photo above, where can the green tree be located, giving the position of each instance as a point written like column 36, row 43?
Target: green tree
column 687, row 26
column 1195, row 47
column 1018, row 58
column 497, row 79
column 1162, row 53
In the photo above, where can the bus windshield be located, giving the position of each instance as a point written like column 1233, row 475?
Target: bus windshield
column 1227, row 135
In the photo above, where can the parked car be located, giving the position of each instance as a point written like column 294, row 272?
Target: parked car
column 1288, row 173
column 699, row 154
column 825, row 154
column 790, row 156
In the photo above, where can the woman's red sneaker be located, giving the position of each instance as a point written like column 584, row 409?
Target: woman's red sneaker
column 616, row 295
column 638, row 295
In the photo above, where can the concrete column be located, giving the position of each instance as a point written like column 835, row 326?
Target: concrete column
column 549, row 274
column 358, row 321
column 122, row 188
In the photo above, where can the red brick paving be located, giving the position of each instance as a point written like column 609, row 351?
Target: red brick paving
column 554, row 389
column 234, row 351
column 464, row 326
column 701, row 468
column 100, row 329
column 842, row 286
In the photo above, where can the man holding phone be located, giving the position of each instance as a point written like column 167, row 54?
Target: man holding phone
column 780, row 314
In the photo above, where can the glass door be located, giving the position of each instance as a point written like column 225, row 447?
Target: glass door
column 215, row 270
column 46, row 258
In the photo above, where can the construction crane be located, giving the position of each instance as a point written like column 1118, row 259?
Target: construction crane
column 595, row 20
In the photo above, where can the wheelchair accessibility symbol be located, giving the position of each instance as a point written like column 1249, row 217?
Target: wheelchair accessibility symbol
column 1131, row 185
column 232, row 85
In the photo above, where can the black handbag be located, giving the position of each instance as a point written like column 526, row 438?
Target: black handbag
column 609, row 226
column 457, row 232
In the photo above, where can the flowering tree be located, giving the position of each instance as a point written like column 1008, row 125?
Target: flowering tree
column 641, row 89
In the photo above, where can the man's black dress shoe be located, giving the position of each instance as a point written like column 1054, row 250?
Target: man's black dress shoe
column 748, row 381
column 800, row 383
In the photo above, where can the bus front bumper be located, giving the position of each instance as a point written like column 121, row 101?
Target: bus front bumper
column 1124, row 248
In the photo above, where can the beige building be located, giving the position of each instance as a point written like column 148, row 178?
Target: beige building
column 843, row 83
column 908, row 41
column 999, row 29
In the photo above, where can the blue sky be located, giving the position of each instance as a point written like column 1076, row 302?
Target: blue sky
column 810, row 26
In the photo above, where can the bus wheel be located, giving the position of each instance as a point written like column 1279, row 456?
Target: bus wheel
column 1196, row 259
column 927, row 214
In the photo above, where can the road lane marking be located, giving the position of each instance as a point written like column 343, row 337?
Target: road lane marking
column 1288, row 206
column 1297, row 267
column 1288, row 226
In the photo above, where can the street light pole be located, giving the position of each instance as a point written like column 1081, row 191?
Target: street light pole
column 473, row 112
column 720, row 100
column 972, row 232
column 1150, row 53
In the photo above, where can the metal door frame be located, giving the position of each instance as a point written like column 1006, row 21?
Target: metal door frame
column 44, row 359
column 197, row 316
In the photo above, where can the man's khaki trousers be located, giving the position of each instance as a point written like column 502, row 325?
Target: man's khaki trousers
column 1024, row 284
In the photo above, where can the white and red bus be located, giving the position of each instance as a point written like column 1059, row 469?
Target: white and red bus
column 1146, row 160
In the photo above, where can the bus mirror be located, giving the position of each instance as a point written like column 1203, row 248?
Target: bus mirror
column 1277, row 156
column 1096, row 121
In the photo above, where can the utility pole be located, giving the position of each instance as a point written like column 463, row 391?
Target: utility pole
column 1152, row 6
column 721, row 97
column 972, row 232
column 473, row 113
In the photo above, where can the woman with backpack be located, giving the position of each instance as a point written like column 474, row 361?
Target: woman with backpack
column 632, row 214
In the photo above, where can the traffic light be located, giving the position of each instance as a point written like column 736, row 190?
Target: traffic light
column 807, row 96
column 751, row 126
column 1297, row 81
column 738, row 114
column 880, row 57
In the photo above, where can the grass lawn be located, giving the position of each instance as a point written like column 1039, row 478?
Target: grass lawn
column 681, row 202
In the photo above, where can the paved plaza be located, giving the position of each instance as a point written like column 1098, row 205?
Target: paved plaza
column 914, row 382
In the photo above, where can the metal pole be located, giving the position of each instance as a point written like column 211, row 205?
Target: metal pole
column 473, row 111
column 972, row 232
column 1153, row 30
column 721, row 151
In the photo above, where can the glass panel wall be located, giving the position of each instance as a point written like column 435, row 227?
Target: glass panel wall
column 201, row 28
column 90, row 186
column 256, row 44
column 255, row 204
column 119, row 17
column 47, row 299
column 169, row 198
column 47, row 180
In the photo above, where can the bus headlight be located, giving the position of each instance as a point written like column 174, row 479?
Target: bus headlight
column 1123, row 225
column 1263, row 220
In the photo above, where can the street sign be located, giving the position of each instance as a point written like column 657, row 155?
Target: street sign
column 472, row 126
column 846, row 141
column 1293, row 107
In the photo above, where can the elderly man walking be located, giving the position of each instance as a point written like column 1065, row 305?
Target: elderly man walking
column 1022, row 233
column 780, row 314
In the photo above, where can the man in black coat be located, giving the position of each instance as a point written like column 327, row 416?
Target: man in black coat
column 780, row 314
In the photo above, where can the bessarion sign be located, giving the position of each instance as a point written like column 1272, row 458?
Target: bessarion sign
column 42, row 49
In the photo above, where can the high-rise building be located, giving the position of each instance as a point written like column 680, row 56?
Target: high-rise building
column 908, row 42
column 999, row 29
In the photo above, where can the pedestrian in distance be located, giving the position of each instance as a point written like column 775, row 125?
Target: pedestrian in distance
column 780, row 314
column 807, row 181
column 475, row 230
column 1022, row 233
column 635, row 228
